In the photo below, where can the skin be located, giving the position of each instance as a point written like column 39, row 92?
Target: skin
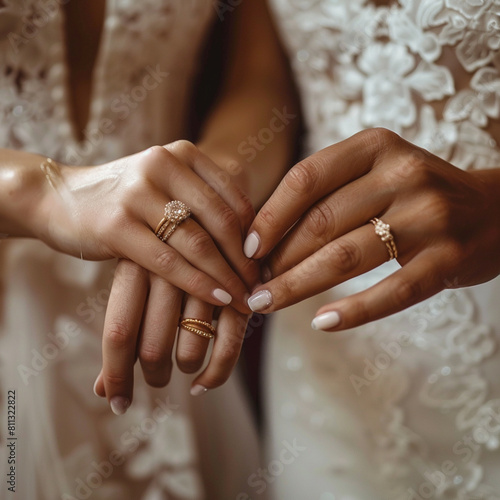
column 63, row 206
column 256, row 85
column 314, row 231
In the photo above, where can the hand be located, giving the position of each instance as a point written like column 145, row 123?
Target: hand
column 141, row 322
column 445, row 221
column 111, row 211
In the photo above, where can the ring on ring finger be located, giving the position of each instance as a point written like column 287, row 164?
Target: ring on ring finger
column 175, row 214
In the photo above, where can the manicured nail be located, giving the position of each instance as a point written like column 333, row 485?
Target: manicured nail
column 326, row 321
column 95, row 386
column 252, row 244
column 260, row 300
column 198, row 390
column 119, row 405
column 223, row 296
column 267, row 275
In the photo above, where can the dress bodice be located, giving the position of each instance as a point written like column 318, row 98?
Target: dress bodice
column 426, row 69
column 140, row 84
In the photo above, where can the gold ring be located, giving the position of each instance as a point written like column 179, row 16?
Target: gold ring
column 175, row 213
column 198, row 326
column 384, row 231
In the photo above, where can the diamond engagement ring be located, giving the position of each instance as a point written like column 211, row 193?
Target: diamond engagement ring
column 175, row 213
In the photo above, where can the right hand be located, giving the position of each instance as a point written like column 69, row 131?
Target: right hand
column 110, row 211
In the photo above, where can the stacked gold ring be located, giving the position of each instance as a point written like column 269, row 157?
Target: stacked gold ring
column 384, row 231
column 198, row 326
column 175, row 213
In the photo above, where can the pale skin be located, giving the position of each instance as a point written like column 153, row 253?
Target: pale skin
column 202, row 266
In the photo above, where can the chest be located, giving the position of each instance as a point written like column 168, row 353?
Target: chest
column 83, row 29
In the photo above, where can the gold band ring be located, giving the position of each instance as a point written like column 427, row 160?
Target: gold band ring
column 176, row 212
column 384, row 231
column 198, row 326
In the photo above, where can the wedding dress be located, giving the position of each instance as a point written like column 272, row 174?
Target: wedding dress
column 68, row 443
column 408, row 407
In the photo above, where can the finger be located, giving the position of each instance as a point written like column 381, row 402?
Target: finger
column 198, row 248
column 309, row 181
column 353, row 254
column 99, row 386
column 211, row 212
column 330, row 218
column 149, row 252
column 228, row 341
column 158, row 332
column 192, row 348
column 121, row 327
column 219, row 182
column 418, row 280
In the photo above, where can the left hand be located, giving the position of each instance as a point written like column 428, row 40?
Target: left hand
column 145, row 309
column 445, row 223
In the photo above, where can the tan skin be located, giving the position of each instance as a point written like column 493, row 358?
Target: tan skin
column 136, row 322
column 320, row 190
column 261, row 77
column 84, row 22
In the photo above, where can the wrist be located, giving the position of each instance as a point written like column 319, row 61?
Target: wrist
column 23, row 191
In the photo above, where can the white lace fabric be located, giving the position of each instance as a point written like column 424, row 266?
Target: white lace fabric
column 407, row 407
column 141, row 84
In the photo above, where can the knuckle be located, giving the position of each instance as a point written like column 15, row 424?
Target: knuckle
column 304, row 177
column 407, row 292
column 343, row 255
column 196, row 282
column 228, row 221
column 183, row 147
column 200, row 243
column 319, row 221
column 115, row 379
column 152, row 358
column 268, row 219
column 117, row 335
column 189, row 359
column 157, row 382
column 157, row 154
column 165, row 260
column 379, row 137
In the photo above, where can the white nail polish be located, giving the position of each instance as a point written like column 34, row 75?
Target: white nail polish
column 119, row 405
column 260, row 300
column 223, row 296
column 95, row 385
column 252, row 244
column 326, row 321
column 198, row 390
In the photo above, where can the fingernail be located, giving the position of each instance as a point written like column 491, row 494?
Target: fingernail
column 95, row 386
column 260, row 300
column 267, row 275
column 198, row 390
column 223, row 296
column 119, row 405
column 252, row 244
column 326, row 321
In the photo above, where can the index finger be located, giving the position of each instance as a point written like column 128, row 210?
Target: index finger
column 309, row 181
